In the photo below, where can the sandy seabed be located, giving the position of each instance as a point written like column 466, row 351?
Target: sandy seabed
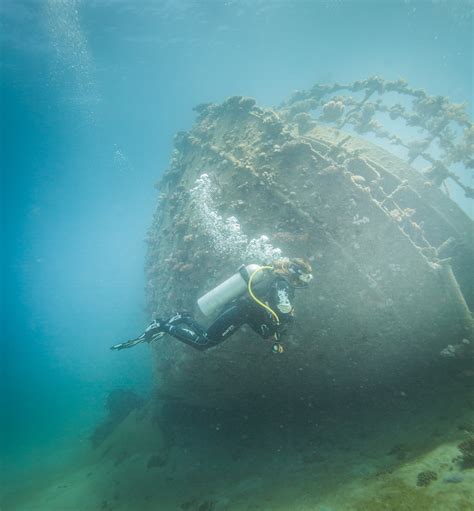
column 338, row 460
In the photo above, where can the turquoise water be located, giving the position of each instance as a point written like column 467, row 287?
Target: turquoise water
column 92, row 94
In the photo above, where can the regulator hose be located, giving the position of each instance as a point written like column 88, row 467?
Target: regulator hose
column 264, row 305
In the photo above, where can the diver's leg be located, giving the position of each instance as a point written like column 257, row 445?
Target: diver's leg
column 184, row 328
column 226, row 324
column 187, row 330
column 154, row 331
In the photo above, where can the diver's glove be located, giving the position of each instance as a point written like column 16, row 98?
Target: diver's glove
column 277, row 348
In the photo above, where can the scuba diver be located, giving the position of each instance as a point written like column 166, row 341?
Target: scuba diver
column 259, row 296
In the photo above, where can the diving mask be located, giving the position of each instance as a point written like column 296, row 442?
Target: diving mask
column 306, row 277
column 300, row 270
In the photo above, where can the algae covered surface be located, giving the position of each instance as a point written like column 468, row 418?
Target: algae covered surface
column 391, row 254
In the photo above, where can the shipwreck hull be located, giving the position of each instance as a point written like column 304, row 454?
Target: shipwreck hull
column 391, row 255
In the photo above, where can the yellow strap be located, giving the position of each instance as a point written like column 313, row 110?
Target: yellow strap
column 264, row 305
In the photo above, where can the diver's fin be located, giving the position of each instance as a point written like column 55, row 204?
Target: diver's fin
column 157, row 336
column 128, row 344
column 138, row 340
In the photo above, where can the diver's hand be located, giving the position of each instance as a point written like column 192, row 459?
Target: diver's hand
column 277, row 348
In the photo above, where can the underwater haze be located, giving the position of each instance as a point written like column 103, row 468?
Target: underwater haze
column 92, row 95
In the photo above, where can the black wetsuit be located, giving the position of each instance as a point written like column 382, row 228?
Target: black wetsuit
column 274, row 290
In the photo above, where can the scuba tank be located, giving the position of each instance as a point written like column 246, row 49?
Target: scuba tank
column 229, row 289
